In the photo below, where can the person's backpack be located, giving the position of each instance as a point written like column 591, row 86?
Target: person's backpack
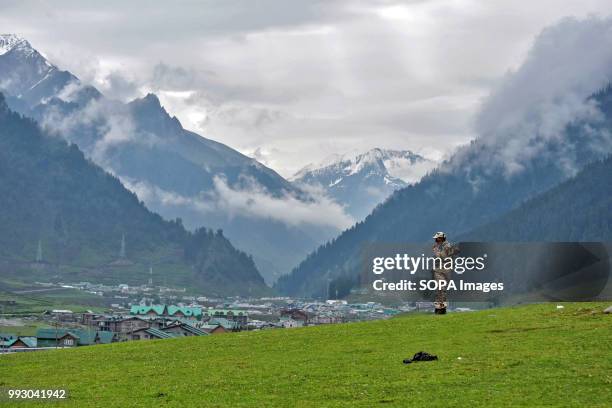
column 421, row 356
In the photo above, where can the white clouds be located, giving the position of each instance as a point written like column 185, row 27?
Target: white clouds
column 154, row 195
column 116, row 85
column 251, row 201
column 119, row 129
column 107, row 118
column 255, row 202
column 533, row 105
column 301, row 80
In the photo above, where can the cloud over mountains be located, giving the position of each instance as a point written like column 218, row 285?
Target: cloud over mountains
column 533, row 105
column 306, row 79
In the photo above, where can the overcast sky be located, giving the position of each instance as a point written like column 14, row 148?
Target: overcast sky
column 291, row 82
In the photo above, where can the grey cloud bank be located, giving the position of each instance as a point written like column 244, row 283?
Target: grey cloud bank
column 533, row 105
column 291, row 83
column 249, row 202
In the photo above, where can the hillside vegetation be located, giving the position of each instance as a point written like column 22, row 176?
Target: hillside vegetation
column 523, row 356
column 58, row 206
column 470, row 190
column 176, row 172
column 585, row 199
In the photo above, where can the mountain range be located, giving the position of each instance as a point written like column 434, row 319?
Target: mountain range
column 64, row 219
column 478, row 186
column 510, row 183
column 585, row 199
column 177, row 173
column 28, row 78
column 361, row 181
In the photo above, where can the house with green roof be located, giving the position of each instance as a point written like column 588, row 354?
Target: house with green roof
column 183, row 329
column 236, row 315
column 52, row 337
column 151, row 334
column 152, row 310
column 187, row 312
column 21, row 342
column 228, row 325
column 4, row 337
column 213, row 328
column 11, row 341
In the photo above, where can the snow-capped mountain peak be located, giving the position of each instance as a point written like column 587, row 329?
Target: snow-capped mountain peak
column 361, row 180
column 404, row 165
column 142, row 144
column 33, row 79
column 10, row 41
column 21, row 47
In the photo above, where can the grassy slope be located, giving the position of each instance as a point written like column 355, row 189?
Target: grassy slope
column 25, row 330
column 38, row 302
column 525, row 356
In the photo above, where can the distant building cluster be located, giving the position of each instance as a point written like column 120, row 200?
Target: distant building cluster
column 142, row 323
column 149, row 321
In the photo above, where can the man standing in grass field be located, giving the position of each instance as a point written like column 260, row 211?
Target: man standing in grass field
column 442, row 272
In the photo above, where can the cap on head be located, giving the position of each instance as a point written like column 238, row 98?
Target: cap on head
column 439, row 235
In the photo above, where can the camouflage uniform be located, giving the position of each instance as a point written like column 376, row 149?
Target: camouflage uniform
column 442, row 250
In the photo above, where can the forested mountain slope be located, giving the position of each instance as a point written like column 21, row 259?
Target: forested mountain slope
column 64, row 218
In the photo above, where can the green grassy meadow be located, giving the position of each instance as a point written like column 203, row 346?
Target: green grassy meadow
column 521, row 356
column 38, row 302
column 28, row 329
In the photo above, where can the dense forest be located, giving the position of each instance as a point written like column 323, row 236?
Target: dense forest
column 63, row 217
column 577, row 210
column 466, row 192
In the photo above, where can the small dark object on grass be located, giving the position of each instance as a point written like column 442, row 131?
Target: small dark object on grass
column 421, row 356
